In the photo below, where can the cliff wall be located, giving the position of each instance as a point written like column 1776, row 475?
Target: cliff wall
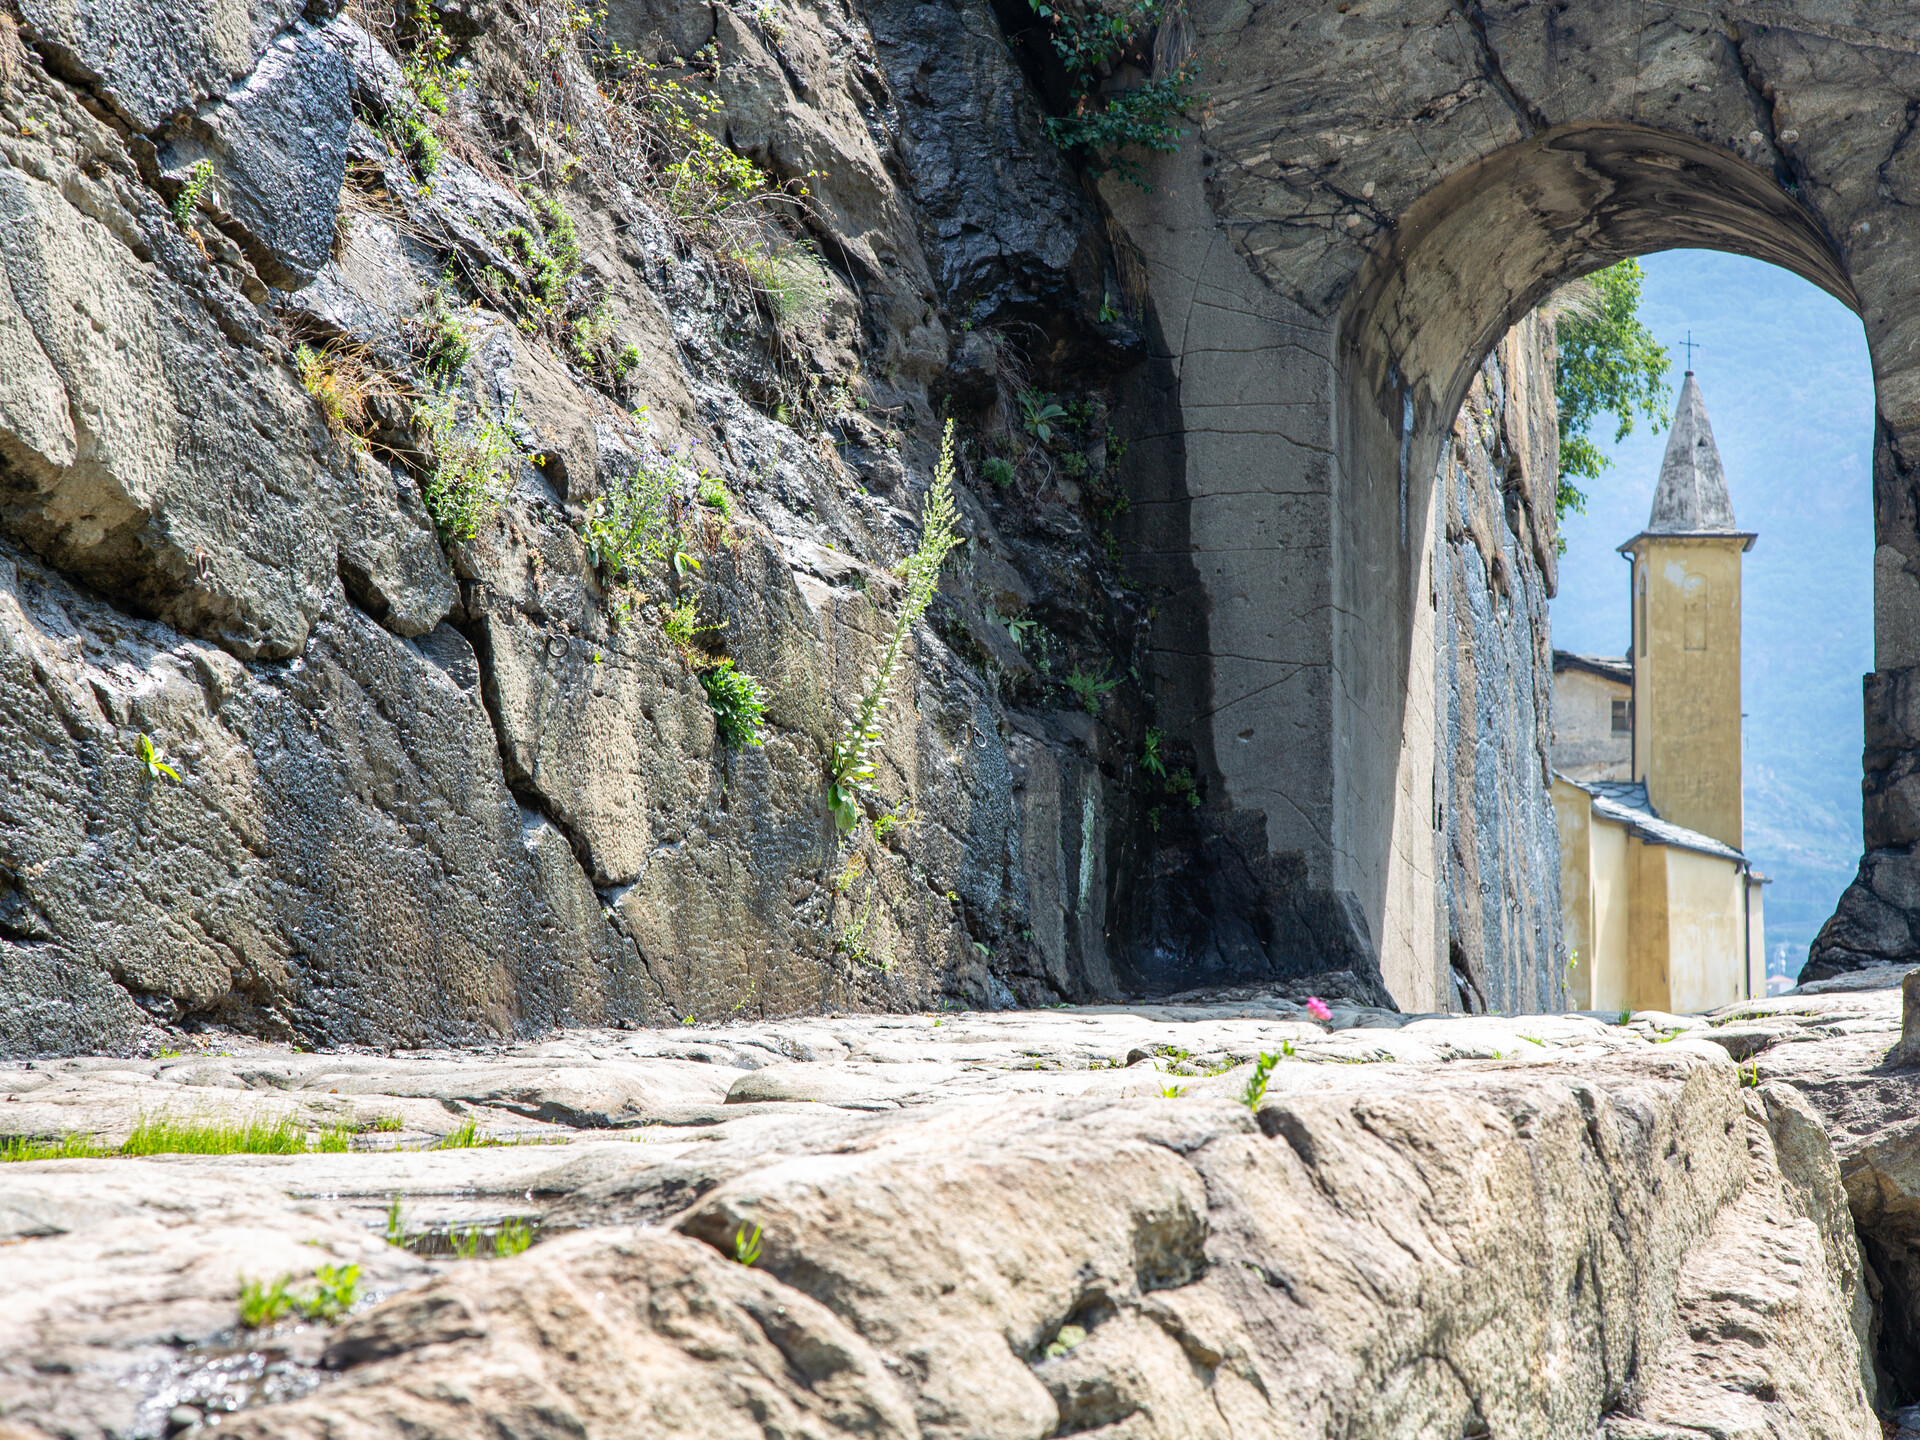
column 1494, row 559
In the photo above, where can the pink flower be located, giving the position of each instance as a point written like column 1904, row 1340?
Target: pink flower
column 1317, row 1008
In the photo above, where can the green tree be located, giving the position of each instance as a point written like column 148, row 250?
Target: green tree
column 1609, row 364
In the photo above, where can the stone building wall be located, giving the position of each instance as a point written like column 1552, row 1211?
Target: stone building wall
column 1493, row 573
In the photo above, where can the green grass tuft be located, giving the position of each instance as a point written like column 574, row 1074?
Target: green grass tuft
column 165, row 1134
column 67, row 1147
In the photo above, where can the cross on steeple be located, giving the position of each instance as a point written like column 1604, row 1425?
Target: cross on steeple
column 1690, row 348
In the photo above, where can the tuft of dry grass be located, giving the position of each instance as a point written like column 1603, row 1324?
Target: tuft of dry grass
column 343, row 381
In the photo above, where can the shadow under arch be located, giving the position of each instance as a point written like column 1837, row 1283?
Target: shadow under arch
column 1476, row 253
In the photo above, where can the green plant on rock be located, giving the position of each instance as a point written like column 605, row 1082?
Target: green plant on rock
column 591, row 331
column 737, row 702
column 334, row 1287
column 16, row 1148
column 442, row 339
column 1150, row 760
column 514, row 1238
column 746, row 1247
column 262, row 1303
column 998, row 469
column 713, row 491
column 629, row 524
column 1103, row 128
column 681, row 625
column 471, row 468
column 1257, row 1082
column 706, row 180
column 1091, row 687
column 850, row 766
column 155, row 762
column 199, row 182
column 1039, row 414
column 853, row 940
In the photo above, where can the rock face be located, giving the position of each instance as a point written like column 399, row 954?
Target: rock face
column 1493, row 573
column 432, row 792
column 969, row 1225
column 1842, row 1051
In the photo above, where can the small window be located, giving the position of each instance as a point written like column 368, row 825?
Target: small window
column 1623, row 717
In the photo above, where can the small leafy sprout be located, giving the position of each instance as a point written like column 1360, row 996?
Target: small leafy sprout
column 1150, row 760
column 746, row 1248
column 1039, row 414
column 1286, row 1047
column 513, row 1239
column 199, row 181
column 1092, row 689
column 334, row 1287
column 156, row 762
column 1257, row 1083
column 261, row 1304
column 1067, row 1339
column 1625, row 1017
column 856, row 867
column 687, row 1020
column 465, row 1243
column 386, row 1124
column 1172, row 1092
column 1750, row 1075
column 396, row 1232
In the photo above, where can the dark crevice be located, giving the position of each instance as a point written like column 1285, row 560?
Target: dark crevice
column 1530, row 116
column 519, row 783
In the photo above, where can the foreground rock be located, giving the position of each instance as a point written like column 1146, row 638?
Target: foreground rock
column 967, row 1225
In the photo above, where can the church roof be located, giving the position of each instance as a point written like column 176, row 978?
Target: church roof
column 1625, row 803
column 1691, row 496
column 1607, row 667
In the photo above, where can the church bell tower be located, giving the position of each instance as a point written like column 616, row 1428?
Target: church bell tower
column 1686, row 635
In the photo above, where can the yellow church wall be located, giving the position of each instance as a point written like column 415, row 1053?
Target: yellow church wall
column 1707, row 953
column 1646, row 867
column 1756, row 939
column 1612, row 917
column 1686, row 638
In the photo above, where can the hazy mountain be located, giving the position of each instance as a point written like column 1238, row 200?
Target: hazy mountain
column 1783, row 369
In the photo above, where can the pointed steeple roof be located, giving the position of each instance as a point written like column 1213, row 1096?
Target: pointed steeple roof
column 1692, row 494
column 1691, row 498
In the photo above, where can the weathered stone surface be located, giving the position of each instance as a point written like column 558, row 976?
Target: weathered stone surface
column 338, row 857
column 1493, row 573
column 1597, row 1233
column 151, row 445
column 278, row 147
column 149, row 63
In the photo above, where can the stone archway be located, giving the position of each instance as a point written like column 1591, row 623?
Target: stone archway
column 1376, row 192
